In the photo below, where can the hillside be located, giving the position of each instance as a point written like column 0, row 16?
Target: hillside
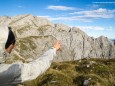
column 98, row 72
column 80, row 59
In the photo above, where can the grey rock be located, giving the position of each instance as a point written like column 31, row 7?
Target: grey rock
column 35, row 35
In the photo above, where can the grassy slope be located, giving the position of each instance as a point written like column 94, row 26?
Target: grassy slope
column 73, row 73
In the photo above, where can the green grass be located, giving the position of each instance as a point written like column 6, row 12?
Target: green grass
column 73, row 73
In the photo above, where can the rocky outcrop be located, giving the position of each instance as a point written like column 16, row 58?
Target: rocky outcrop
column 35, row 35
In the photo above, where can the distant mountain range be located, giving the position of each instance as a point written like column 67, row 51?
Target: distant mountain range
column 36, row 35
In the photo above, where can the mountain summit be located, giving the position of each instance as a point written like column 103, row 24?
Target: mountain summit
column 35, row 35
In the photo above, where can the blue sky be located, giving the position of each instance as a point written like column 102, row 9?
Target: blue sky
column 95, row 17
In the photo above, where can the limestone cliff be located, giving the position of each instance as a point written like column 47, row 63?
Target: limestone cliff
column 35, row 35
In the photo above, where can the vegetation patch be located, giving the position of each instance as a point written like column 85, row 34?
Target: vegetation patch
column 85, row 72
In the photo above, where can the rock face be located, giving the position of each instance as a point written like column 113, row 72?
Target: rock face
column 35, row 35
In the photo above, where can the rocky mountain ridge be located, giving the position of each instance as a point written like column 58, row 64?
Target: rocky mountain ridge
column 35, row 35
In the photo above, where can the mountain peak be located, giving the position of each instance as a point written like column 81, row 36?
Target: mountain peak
column 35, row 35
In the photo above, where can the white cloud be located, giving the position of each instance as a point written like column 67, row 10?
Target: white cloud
column 69, row 18
column 45, row 17
column 56, row 0
column 84, row 28
column 72, row 18
column 85, row 16
column 20, row 6
column 98, row 28
column 110, row 28
column 91, row 28
column 104, row 2
column 95, row 6
column 52, row 7
column 99, row 13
